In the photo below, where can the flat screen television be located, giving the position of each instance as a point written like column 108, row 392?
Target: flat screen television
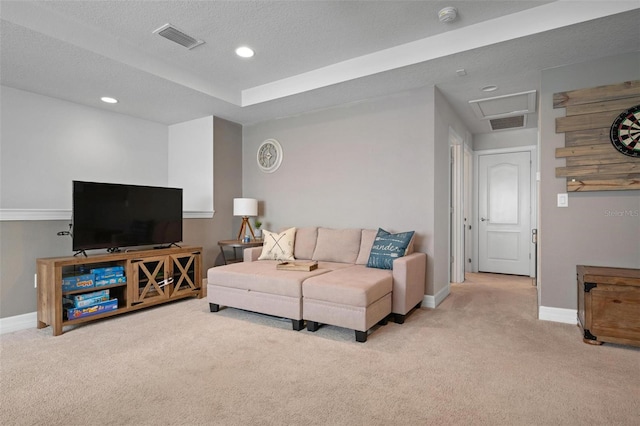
column 111, row 216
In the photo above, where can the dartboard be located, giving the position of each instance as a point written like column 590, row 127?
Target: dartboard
column 625, row 132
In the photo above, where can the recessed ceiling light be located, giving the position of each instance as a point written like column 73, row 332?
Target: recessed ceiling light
column 244, row 52
column 490, row 88
column 109, row 100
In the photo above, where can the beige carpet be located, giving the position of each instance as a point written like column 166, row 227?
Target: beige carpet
column 481, row 357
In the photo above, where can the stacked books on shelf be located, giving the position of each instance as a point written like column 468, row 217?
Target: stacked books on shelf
column 95, row 302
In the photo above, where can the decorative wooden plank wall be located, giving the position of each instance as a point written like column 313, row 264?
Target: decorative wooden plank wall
column 592, row 162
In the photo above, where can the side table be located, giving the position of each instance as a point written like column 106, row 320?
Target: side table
column 235, row 245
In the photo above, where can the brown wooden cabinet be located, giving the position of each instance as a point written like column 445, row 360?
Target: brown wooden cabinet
column 609, row 304
column 152, row 277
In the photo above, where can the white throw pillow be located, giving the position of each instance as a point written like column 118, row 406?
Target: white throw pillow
column 278, row 246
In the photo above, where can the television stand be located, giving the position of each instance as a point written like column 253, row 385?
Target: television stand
column 167, row 246
column 152, row 277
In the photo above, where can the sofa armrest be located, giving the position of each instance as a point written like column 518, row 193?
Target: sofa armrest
column 251, row 254
column 409, row 274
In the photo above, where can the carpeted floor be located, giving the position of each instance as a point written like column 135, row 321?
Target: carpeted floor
column 480, row 358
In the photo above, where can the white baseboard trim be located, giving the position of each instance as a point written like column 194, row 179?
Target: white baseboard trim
column 433, row 301
column 567, row 316
column 18, row 322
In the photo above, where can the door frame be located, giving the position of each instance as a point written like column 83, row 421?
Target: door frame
column 468, row 213
column 533, row 215
column 456, row 212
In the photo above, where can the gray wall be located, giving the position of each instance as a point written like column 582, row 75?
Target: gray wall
column 587, row 232
column 369, row 164
column 22, row 242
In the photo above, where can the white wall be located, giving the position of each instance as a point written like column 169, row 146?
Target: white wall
column 46, row 143
column 505, row 139
column 190, row 164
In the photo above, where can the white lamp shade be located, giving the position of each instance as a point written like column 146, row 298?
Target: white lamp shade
column 245, row 207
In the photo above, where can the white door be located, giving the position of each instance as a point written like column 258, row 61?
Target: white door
column 504, row 213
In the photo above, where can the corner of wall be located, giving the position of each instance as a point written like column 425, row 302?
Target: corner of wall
column 429, row 301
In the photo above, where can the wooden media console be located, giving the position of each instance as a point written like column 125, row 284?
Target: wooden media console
column 153, row 277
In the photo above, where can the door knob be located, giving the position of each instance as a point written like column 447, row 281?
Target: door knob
column 483, row 219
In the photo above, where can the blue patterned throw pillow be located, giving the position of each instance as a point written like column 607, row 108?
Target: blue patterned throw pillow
column 387, row 248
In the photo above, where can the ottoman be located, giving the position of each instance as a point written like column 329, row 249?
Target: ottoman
column 356, row 297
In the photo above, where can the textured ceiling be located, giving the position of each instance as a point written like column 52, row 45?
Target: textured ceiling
column 309, row 54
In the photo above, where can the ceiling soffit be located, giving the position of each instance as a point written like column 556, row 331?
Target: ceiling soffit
column 520, row 24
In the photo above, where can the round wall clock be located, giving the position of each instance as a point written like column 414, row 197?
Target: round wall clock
column 625, row 132
column 269, row 155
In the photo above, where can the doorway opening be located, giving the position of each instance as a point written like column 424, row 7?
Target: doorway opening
column 499, row 183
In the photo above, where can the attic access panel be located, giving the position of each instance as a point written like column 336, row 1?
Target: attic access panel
column 505, row 105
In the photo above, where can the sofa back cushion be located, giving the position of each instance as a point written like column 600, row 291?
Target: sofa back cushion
column 306, row 238
column 368, row 235
column 337, row 245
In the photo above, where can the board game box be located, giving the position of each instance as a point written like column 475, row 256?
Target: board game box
column 83, row 303
column 109, row 281
column 78, row 282
column 100, row 308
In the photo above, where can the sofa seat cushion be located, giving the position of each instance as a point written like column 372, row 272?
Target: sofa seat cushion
column 332, row 266
column 261, row 276
column 356, row 285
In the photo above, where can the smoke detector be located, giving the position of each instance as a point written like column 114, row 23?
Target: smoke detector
column 448, row 14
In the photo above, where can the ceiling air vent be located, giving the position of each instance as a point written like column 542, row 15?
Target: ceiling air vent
column 507, row 123
column 170, row 32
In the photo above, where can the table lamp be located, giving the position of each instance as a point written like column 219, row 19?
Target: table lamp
column 245, row 207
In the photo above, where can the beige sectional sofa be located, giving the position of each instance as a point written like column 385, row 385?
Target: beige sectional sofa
column 342, row 291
